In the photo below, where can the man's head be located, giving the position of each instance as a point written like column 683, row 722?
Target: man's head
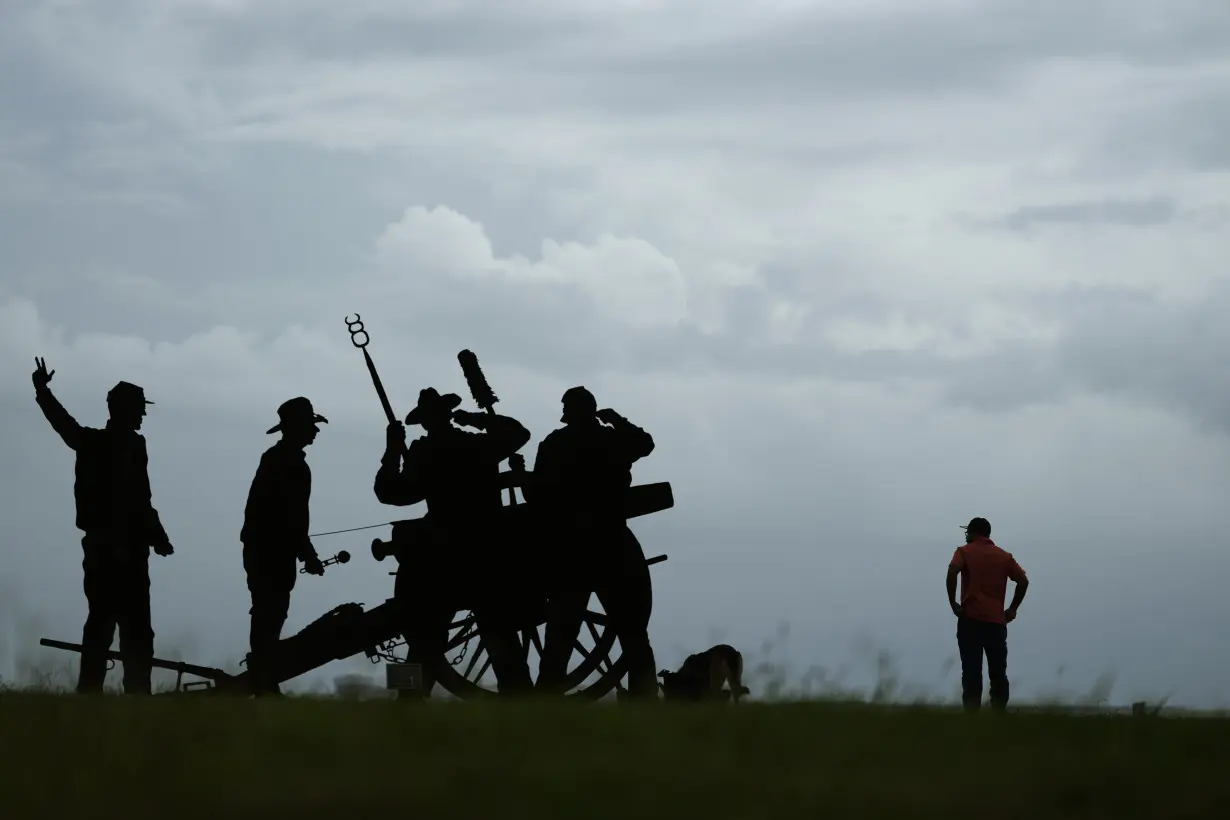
column 977, row 528
column 297, row 421
column 434, row 411
column 126, row 403
column 580, row 406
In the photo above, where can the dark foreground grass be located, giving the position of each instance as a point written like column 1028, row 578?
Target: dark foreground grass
column 190, row 757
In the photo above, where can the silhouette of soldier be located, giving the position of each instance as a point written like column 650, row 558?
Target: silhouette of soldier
column 982, row 621
column 275, row 535
column 457, row 473
column 579, row 484
column 115, row 512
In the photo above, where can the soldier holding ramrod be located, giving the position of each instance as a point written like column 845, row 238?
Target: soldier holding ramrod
column 457, row 473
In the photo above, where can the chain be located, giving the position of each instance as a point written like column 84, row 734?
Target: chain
column 465, row 645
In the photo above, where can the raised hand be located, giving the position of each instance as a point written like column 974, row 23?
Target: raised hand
column 467, row 418
column 609, row 416
column 41, row 376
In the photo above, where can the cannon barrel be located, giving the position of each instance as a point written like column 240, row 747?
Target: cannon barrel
column 342, row 632
column 642, row 499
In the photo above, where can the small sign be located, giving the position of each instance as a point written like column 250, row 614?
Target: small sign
column 403, row 676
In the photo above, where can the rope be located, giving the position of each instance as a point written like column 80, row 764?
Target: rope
column 352, row 529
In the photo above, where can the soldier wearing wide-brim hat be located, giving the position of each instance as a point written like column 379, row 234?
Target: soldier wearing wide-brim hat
column 457, row 473
column 116, row 515
column 297, row 413
column 433, row 407
column 275, row 534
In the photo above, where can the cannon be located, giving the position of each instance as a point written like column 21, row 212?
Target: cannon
column 340, row 633
column 349, row 630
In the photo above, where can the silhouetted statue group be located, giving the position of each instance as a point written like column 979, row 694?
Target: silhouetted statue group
column 580, row 536
column 573, row 542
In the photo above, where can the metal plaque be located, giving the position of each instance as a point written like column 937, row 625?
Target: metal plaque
column 403, row 676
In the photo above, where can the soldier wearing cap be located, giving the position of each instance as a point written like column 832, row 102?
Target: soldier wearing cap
column 457, row 473
column 581, row 475
column 115, row 512
column 275, row 535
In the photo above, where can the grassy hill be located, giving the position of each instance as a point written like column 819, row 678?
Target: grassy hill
column 188, row 757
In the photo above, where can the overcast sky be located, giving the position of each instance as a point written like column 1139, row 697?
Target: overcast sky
column 864, row 270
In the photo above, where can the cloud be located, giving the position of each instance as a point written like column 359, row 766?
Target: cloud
column 627, row 278
column 761, row 232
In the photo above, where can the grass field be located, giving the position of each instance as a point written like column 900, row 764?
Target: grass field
column 317, row 758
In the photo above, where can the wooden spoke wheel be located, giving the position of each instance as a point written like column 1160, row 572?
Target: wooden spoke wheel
column 594, row 670
column 592, row 673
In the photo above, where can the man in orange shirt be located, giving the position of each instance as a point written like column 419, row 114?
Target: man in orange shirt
column 982, row 621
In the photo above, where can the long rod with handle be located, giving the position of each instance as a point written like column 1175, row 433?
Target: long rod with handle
column 355, row 326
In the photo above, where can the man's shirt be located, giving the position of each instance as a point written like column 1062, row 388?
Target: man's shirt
column 985, row 570
column 111, row 487
column 584, row 472
column 277, row 512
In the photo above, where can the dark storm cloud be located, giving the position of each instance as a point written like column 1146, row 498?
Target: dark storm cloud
column 1133, row 212
column 488, row 32
column 1116, row 343
column 589, row 61
column 805, row 53
column 1186, row 131
column 1177, row 356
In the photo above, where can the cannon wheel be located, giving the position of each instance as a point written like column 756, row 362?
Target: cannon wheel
column 469, row 680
